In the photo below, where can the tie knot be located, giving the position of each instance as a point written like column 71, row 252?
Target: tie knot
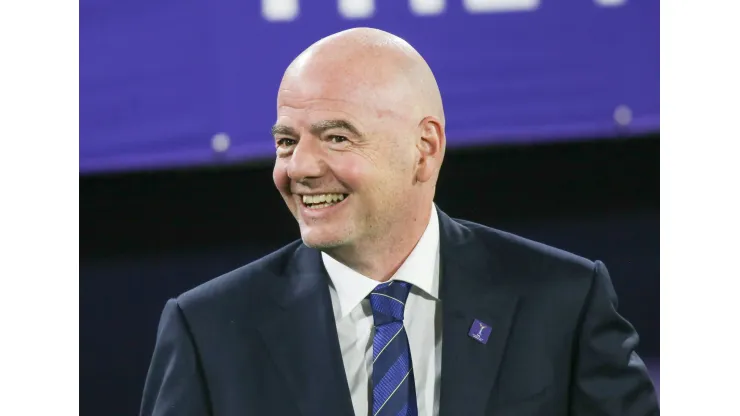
column 388, row 301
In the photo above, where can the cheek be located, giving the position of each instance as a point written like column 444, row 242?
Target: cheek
column 353, row 171
column 280, row 177
column 374, row 180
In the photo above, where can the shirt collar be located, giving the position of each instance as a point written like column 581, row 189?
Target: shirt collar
column 420, row 269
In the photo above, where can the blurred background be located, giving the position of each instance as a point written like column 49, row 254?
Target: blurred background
column 553, row 133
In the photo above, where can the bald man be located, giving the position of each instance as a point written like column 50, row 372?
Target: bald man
column 387, row 306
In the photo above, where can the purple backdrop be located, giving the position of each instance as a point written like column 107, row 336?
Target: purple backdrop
column 159, row 79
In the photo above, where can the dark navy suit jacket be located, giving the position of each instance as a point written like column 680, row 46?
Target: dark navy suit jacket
column 262, row 340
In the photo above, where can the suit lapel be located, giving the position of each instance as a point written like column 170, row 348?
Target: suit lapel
column 302, row 338
column 469, row 292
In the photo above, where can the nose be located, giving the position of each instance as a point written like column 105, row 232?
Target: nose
column 307, row 160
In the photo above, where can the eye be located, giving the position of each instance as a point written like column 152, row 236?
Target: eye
column 285, row 142
column 337, row 139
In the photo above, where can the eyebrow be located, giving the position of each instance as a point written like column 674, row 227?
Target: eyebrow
column 317, row 128
column 283, row 130
column 322, row 126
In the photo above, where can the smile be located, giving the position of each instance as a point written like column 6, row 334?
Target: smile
column 322, row 200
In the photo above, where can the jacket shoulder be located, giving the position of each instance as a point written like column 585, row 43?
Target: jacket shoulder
column 242, row 287
column 523, row 256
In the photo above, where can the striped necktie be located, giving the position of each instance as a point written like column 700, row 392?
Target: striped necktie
column 394, row 393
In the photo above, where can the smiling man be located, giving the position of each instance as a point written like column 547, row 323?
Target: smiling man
column 386, row 305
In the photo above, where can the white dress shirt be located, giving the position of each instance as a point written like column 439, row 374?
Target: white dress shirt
column 422, row 320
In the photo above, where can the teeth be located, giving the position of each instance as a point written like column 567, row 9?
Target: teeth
column 324, row 199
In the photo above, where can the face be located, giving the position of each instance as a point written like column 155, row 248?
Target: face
column 345, row 159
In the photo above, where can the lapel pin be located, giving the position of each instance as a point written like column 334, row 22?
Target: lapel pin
column 480, row 331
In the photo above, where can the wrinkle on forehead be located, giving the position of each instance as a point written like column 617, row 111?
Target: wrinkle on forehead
column 361, row 105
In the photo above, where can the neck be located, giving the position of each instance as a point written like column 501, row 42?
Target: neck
column 380, row 258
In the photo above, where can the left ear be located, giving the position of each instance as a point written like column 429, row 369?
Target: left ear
column 431, row 146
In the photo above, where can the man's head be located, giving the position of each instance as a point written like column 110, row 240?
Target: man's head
column 359, row 117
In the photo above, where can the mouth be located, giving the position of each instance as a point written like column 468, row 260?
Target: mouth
column 320, row 201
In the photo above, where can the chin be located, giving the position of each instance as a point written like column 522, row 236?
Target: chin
column 321, row 241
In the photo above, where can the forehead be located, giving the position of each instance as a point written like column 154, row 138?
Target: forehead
column 310, row 96
column 314, row 96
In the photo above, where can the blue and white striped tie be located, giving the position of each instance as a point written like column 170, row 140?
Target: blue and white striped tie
column 394, row 393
